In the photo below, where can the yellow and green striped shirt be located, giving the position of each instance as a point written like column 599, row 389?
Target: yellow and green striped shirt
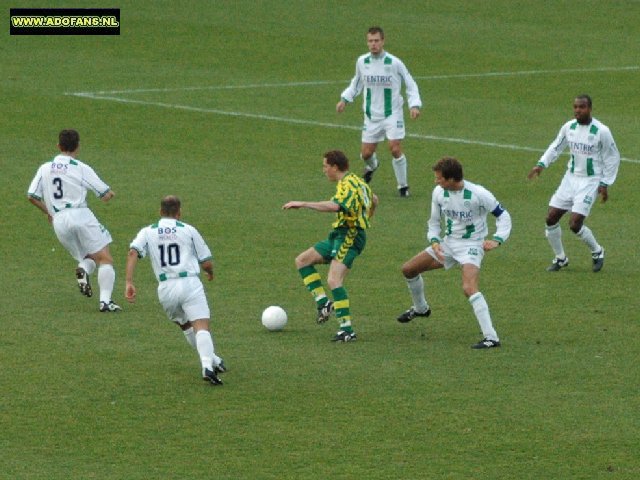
column 354, row 197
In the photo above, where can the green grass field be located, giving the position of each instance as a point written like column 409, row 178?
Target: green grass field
column 230, row 105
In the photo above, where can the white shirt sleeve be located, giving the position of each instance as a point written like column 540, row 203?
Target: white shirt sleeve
column 202, row 251
column 93, row 182
column 555, row 149
column 610, row 158
column 503, row 219
column 434, row 225
column 413, row 94
column 140, row 243
column 35, row 189
column 503, row 225
column 355, row 87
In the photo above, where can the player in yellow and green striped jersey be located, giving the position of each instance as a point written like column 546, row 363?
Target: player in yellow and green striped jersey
column 354, row 204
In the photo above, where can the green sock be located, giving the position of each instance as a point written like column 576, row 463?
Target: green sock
column 311, row 280
column 341, row 306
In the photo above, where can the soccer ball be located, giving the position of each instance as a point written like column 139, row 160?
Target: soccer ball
column 274, row 318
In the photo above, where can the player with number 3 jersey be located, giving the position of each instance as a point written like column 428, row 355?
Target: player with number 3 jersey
column 59, row 189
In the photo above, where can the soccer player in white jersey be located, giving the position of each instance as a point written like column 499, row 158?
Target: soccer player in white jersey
column 464, row 207
column 381, row 75
column 59, row 189
column 593, row 166
column 177, row 251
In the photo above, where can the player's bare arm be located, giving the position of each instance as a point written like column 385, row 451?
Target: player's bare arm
column 41, row 206
column 207, row 266
column 325, row 206
column 374, row 205
column 535, row 172
column 130, row 289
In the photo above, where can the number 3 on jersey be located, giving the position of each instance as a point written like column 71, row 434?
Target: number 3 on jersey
column 58, row 194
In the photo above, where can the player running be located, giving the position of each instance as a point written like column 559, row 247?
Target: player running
column 177, row 251
column 59, row 189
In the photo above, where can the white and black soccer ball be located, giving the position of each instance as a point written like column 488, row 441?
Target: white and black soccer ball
column 274, row 318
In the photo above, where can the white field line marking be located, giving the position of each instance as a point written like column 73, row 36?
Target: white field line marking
column 345, row 82
column 296, row 121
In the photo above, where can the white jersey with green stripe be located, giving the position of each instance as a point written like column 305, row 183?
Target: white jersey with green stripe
column 175, row 248
column 381, row 78
column 465, row 214
column 593, row 151
column 63, row 183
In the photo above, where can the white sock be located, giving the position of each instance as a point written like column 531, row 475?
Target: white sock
column 204, row 345
column 481, row 309
column 416, row 288
column 554, row 236
column 106, row 279
column 586, row 235
column 190, row 336
column 400, row 169
column 371, row 163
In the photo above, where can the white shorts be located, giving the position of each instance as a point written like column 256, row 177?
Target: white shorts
column 183, row 299
column 459, row 252
column 576, row 194
column 80, row 232
column 375, row 131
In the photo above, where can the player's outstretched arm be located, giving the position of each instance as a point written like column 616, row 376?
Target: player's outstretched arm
column 130, row 288
column 326, row 206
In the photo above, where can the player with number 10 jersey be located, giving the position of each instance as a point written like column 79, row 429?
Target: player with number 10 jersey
column 176, row 249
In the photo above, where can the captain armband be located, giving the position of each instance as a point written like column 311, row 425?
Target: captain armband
column 496, row 212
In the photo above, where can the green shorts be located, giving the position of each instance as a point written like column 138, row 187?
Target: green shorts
column 343, row 245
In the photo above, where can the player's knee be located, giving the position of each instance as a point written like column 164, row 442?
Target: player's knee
column 550, row 221
column 469, row 290
column 300, row 261
column 575, row 226
column 409, row 271
column 103, row 257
